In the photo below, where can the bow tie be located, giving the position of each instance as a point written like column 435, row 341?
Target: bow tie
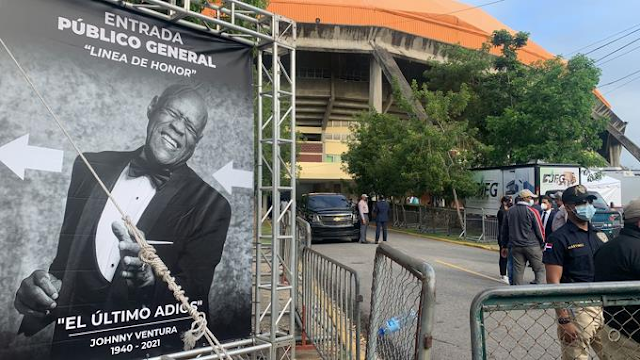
column 141, row 167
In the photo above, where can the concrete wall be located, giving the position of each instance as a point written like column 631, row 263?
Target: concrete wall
column 342, row 38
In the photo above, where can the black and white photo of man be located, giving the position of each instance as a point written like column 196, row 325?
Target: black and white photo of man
column 96, row 267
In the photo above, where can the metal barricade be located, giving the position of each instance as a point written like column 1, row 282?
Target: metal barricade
column 330, row 306
column 402, row 307
column 440, row 221
column 302, row 240
column 411, row 216
column 480, row 226
column 520, row 322
column 427, row 219
column 474, row 226
column 491, row 229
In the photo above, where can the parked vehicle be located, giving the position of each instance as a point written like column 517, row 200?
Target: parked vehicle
column 332, row 216
column 509, row 180
column 606, row 219
column 540, row 178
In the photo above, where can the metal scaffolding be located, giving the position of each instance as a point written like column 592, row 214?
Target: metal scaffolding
column 273, row 38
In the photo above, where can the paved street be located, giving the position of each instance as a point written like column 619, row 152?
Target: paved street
column 461, row 273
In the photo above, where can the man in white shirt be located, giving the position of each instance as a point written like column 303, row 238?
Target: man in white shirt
column 97, row 268
column 547, row 214
column 363, row 211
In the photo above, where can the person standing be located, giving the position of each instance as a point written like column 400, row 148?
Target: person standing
column 525, row 237
column 561, row 215
column 619, row 260
column 382, row 217
column 363, row 211
column 547, row 214
column 505, row 204
column 569, row 258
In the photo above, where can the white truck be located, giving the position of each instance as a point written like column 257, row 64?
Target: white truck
column 545, row 179
column 508, row 180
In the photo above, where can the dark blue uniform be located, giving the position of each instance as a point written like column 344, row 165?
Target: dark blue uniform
column 573, row 249
column 619, row 260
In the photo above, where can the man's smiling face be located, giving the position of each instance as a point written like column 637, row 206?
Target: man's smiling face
column 176, row 123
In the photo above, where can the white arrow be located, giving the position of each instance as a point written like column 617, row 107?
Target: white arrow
column 229, row 178
column 18, row 156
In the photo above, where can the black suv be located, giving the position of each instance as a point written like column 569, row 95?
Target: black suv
column 331, row 216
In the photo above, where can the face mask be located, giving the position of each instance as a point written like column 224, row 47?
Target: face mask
column 531, row 202
column 585, row 212
column 543, row 206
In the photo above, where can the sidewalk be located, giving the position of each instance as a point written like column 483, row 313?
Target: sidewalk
column 450, row 239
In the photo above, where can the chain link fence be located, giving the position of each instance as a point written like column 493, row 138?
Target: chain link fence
column 402, row 307
column 477, row 224
column 303, row 240
column 522, row 322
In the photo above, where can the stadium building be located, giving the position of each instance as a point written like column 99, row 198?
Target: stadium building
column 348, row 51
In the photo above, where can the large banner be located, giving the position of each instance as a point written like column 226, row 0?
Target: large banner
column 554, row 179
column 164, row 116
column 491, row 191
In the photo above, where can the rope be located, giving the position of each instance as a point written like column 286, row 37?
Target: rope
column 147, row 252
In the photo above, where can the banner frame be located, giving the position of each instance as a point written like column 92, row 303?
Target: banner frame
column 273, row 37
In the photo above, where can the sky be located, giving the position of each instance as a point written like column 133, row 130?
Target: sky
column 564, row 26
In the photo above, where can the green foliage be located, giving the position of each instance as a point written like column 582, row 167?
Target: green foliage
column 388, row 155
column 523, row 113
column 553, row 120
column 485, row 110
column 509, row 46
column 375, row 156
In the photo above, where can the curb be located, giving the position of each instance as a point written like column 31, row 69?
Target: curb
column 436, row 238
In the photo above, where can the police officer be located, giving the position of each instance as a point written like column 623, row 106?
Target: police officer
column 568, row 258
column 619, row 260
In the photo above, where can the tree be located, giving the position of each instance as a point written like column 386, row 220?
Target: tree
column 391, row 156
column 376, row 157
column 523, row 113
column 553, row 121
column 488, row 110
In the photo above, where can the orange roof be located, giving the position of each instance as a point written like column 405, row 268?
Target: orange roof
column 447, row 21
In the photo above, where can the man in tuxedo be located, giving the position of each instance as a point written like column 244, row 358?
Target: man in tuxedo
column 97, row 267
column 547, row 213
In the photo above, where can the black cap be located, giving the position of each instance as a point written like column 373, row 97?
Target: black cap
column 577, row 194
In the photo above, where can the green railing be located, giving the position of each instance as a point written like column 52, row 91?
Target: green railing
column 521, row 322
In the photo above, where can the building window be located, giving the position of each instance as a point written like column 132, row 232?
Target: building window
column 332, row 158
column 340, row 123
column 311, row 137
column 355, row 74
column 310, row 73
column 337, row 137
